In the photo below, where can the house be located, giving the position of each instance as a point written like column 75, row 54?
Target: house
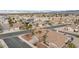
column 16, row 26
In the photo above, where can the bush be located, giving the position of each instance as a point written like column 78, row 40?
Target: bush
column 71, row 45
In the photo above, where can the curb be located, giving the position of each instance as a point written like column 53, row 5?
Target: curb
column 27, row 42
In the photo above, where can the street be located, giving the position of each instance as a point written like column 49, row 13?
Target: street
column 13, row 34
column 15, row 42
column 56, row 26
column 76, row 35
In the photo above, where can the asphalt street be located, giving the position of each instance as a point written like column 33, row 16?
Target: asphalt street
column 56, row 26
column 76, row 35
column 13, row 34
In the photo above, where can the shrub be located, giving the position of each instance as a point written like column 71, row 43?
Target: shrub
column 71, row 45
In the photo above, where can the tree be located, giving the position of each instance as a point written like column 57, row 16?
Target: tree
column 26, row 25
column 71, row 45
column 10, row 21
column 45, row 37
column 15, row 21
column 20, row 20
column 39, row 32
column 30, row 26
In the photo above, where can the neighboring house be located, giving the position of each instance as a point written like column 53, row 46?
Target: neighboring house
column 16, row 26
column 5, row 26
column 70, row 29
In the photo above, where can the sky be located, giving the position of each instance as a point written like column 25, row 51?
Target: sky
column 55, row 5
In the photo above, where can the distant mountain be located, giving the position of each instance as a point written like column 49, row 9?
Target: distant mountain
column 23, row 11
column 37, row 11
column 70, row 11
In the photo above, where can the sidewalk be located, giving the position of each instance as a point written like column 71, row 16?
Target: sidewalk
column 27, row 42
